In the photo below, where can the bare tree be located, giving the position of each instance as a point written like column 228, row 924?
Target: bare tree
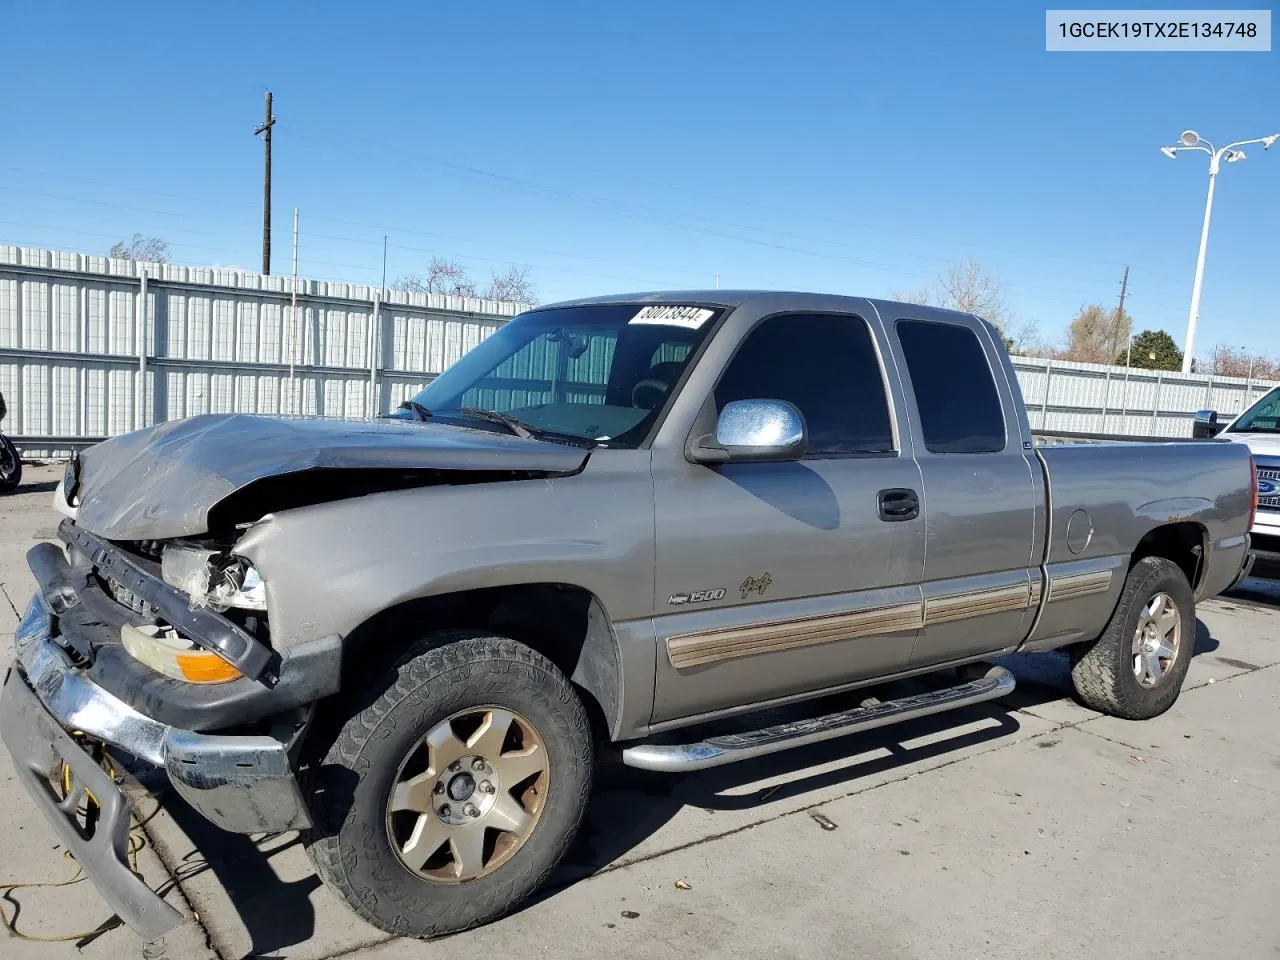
column 1097, row 335
column 150, row 249
column 449, row 277
column 513, row 285
column 443, row 276
column 1027, row 342
column 920, row 295
column 1233, row 362
column 968, row 286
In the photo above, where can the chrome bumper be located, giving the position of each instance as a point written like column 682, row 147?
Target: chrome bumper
column 1246, row 568
column 44, row 754
column 244, row 784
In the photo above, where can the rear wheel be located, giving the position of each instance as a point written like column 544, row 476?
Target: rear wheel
column 1136, row 668
column 10, row 466
column 453, row 794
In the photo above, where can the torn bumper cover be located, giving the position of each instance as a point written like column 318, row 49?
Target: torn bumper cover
column 87, row 623
column 40, row 747
column 242, row 783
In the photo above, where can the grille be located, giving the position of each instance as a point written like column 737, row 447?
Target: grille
column 127, row 598
column 1272, row 474
column 150, row 549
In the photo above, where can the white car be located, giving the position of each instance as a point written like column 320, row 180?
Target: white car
column 1259, row 429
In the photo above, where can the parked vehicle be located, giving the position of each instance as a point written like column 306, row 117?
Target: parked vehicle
column 613, row 522
column 1257, row 428
column 10, row 461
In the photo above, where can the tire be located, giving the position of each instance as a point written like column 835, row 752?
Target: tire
column 1104, row 672
column 10, row 466
column 446, row 681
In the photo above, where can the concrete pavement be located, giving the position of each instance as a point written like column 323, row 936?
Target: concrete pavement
column 1033, row 828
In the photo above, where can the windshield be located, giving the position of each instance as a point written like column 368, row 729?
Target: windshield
column 1262, row 417
column 600, row 373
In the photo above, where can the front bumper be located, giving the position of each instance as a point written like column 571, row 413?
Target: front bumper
column 40, row 747
column 244, row 784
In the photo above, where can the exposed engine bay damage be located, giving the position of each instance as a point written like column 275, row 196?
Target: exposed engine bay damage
column 166, row 481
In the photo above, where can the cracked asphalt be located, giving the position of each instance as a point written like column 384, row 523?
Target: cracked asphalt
column 1028, row 828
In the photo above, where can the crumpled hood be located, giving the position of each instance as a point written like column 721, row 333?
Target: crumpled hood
column 162, row 481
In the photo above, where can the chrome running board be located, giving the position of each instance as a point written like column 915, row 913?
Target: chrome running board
column 730, row 748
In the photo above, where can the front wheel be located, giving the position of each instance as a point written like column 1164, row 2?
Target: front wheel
column 453, row 794
column 1136, row 668
column 10, row 466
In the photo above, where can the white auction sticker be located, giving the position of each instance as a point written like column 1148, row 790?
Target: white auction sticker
column 674, row 316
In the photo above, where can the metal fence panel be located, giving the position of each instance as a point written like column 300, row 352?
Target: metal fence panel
column 93, row 347
column 1094, row 398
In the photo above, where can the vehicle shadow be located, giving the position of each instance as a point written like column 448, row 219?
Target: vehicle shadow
column 276, row 913
column 42, row 486
column 630, row 807
column 1255, row 590
column 631, row 813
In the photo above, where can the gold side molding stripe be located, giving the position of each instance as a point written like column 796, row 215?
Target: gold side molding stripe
column 1073, row 585
column 712, row 646
column 979, row 603
column 1036, row 589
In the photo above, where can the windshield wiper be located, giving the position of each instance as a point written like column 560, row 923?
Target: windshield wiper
column 419, row 411
column 518, row 427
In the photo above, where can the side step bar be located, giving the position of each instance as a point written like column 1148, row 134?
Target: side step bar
column 730, row 748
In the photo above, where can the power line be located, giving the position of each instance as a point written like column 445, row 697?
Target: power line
column 619, row 210
column 108, row 203
column 1046, row 294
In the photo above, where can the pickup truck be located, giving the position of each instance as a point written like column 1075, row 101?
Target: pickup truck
column 1258, row 428
column 609, row 526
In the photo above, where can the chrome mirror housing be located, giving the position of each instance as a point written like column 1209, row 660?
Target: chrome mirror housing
column 755, row 431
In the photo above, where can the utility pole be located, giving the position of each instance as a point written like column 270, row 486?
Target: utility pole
column 265, row 130
column 1124, row 288
column 293, row 312
column 384, row 264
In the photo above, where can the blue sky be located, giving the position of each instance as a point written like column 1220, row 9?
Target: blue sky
column 841, row 147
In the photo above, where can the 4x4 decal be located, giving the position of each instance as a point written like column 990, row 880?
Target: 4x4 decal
column 755, row 585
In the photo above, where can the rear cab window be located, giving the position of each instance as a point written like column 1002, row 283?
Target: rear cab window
column 954, row 387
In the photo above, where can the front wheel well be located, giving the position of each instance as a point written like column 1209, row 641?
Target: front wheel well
column 1181, row 543
column 566, row 623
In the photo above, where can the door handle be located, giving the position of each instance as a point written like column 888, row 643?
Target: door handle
column 897, row 504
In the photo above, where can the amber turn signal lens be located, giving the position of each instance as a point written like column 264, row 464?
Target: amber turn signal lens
column 205, row 667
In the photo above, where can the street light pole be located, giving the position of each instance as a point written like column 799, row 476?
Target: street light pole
column 1194, row 316
column 1190, row 140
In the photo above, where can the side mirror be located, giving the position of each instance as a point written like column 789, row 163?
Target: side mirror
column 1204, row 425
column 754, row 431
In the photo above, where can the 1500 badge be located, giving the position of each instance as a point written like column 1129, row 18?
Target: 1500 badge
column 698, row 596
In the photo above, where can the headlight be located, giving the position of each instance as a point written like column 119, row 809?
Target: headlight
column 164, row 650
column 212, row 579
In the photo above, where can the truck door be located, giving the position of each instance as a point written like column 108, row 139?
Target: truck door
column 983, row 496
column 778, row 579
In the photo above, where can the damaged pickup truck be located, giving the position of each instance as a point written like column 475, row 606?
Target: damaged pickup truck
column 616, row 521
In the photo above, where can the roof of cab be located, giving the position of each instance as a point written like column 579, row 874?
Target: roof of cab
column 735, row 298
